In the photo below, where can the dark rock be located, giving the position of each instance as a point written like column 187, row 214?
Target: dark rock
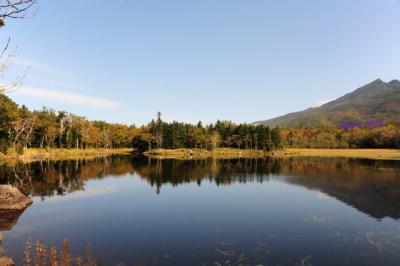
column 12, row 205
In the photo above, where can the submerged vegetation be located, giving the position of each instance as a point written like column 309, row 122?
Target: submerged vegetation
column 40, row 255
column 225, row 251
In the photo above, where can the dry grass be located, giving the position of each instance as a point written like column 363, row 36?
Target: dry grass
column 31, row 155
column 202, row 153
column 41, row 255
column 377, row 154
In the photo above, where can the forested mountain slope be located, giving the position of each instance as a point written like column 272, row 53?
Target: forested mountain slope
column 376, row 102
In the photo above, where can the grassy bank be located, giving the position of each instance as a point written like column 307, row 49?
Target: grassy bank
column 202, row 153
column 31, row 155
column 378, row 154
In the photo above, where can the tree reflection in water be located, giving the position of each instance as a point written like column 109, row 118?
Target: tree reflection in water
column 372, row 187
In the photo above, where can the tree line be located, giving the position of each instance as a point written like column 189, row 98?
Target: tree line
column 159, row 134
column 21, row 128
column 386, row 136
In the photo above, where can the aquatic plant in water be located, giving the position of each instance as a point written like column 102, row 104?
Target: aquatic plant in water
column 227, row 254
column 320, row 219
column 40, row 255
column 381, row 241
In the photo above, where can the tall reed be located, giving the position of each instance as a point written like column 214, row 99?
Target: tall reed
column 40, row 255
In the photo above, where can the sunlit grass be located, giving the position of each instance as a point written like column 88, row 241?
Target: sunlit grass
column 203, row 153
column 34, row 154
column 378, row 154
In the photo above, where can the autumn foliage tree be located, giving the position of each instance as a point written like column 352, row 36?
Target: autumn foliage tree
column 387, row 136
column 21, row 128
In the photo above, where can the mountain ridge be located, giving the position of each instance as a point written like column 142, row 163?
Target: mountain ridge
column 375, row 101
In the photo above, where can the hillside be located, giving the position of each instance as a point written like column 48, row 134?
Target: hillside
column 376, row 102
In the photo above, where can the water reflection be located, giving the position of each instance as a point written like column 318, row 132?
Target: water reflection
column 144, row 211
column 49, row 178
column 8, row 219
column 372, row 187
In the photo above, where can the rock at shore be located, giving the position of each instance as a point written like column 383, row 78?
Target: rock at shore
column 12, row 205
column 12, row 199
column 4, row 261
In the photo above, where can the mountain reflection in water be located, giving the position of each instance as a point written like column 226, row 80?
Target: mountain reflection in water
column 372, row 187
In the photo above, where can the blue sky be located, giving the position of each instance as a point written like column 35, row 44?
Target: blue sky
column 122, row 60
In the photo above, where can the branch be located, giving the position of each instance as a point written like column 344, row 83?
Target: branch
column 14, row 9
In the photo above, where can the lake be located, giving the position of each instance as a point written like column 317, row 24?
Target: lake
column 140, row 211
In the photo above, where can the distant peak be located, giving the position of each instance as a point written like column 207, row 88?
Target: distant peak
column 395, row 84
column 377, row 81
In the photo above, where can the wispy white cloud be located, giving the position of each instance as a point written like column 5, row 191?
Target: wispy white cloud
column 58, row 96
column 43, row 68
column 55, row 78
column 61, row 84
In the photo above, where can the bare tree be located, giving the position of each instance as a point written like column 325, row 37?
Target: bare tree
column 22, row 129
column 14, row 9
column 11, row 9
column 5, row 63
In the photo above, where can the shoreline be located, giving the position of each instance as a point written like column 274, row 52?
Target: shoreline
column 34, row 155
column 187, row 154
column 373, row 154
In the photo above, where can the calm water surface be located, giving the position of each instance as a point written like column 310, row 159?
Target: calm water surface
column 205, row 212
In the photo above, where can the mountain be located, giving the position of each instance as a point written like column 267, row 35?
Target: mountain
column 376, row 102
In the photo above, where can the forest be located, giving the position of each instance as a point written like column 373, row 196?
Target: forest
column 222, row 134
column 385, row 136
column 21, row 128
